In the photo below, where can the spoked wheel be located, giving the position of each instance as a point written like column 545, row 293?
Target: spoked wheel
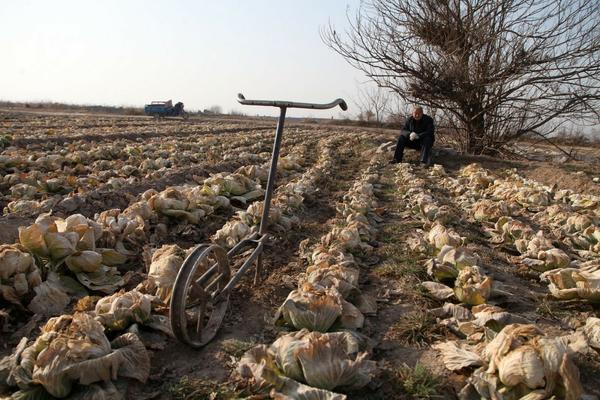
column 196, row 311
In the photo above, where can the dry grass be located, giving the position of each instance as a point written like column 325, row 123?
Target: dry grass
column 417, row 328
column 419, row 382
column 199, row 389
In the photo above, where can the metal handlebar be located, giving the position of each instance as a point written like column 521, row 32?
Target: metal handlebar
column 291, row 104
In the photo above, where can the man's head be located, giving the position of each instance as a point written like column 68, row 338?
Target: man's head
column 417, row 112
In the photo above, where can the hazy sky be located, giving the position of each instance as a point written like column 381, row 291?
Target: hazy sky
column 129, row 52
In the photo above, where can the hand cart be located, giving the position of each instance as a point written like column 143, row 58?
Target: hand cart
column 205, row 281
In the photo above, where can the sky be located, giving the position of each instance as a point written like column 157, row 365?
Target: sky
column 130, row 52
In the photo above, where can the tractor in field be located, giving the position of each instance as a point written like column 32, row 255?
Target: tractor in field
column 161, row 109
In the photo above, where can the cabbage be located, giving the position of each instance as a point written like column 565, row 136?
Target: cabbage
column 440, row 236
column 74, row 350
column 253, row 214
column 441, row 272
column 254, row 172
column 289, row 162
column 128, row 226
column 342, row 238
column 317, row 309
column 459, row 257
column 50, row 299
column 472, row 287
column 488, row 210
column 84, row 261
column 457, row 357
column 512, row 230
column 111, row 257
column 592, row 332
column 169, row 199
column 105, row 279
column 231, row 234
column 343, row 278
column 524, row 359
column 119, row 311
column 54, row 238
column 438, row 290
column 32, row 238
column 61, row 245
column 18, row 273
column 571, row 283
column 360, row 223
column 577, row 223
column 23, row 191
column 230, row 184
column 164, row 268
column 531, row 247
column 322, row 360
column 554, row 258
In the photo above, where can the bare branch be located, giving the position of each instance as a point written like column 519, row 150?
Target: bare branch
column 498, row 68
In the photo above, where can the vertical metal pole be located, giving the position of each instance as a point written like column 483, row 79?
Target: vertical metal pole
column 264, row 222
column 272, row 172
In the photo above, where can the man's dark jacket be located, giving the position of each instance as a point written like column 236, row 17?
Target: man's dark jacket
column 422, row 127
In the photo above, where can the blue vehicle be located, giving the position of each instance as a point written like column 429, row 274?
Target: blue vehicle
column 161, row 109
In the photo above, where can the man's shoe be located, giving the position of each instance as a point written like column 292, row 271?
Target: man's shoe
column 395, row 162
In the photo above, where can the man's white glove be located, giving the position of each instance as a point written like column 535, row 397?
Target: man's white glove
column 413, row 136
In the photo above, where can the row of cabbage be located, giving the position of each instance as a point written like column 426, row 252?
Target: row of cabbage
column 326, row 352
column 78, row 252
column 565, row 248
column 90, row 372
column 287, row 200
column 122, row 314
column 454, row 263
column 34, row 128
column 39, row 182
column 513, row 358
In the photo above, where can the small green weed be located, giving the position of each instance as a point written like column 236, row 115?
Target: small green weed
column 419, row 382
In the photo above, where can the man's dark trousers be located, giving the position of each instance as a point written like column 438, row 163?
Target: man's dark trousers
column 423, row 143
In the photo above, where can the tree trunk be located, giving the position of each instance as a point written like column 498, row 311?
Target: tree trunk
column 475, row 127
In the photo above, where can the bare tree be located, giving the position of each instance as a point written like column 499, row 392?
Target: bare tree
column 366, row 115
column 397, row 110
column 373, row 101
column 216, row 109
column 495, row 69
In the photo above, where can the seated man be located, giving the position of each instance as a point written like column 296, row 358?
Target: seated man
column 418, row 134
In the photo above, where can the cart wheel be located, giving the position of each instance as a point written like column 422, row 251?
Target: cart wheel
column 195, row 314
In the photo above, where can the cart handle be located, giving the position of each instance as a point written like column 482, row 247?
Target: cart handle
column 291, row 104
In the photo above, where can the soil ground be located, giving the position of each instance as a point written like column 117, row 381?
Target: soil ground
column 401, row 333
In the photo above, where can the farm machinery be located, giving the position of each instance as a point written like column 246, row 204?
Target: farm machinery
column 161, row 109
column 205, row 281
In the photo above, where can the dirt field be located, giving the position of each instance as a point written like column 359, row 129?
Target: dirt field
column 331, row 179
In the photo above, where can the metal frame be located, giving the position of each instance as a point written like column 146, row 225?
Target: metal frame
column 219, row 298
